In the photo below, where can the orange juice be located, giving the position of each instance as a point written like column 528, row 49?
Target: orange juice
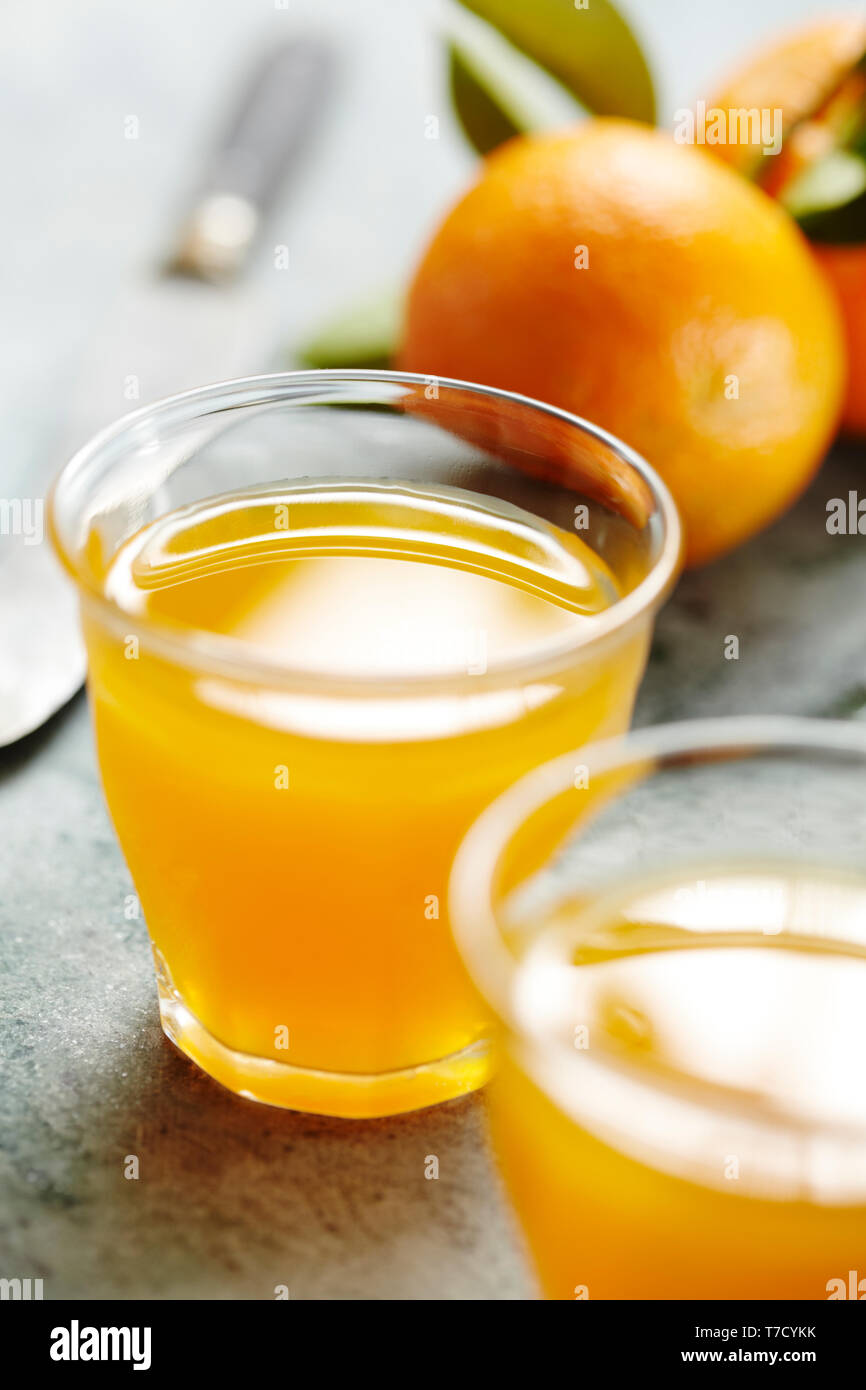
column 683, row 1115
column 290, row 830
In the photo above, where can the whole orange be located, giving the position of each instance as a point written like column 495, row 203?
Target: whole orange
column 845, row 268
column 809, row 75
column 796, row 74
column 642, row 284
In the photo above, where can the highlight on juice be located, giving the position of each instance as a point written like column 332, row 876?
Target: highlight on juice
column 671, row 929
column 327, row 621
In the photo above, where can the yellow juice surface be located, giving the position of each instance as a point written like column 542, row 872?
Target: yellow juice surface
column 721, row 1153
column 290, row 834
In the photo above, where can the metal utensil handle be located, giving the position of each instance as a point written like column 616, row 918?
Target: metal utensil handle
column 268, row 129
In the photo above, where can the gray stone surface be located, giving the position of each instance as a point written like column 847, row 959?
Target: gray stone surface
column 234, row 1198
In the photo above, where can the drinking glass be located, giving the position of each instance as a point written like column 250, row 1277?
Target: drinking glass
column 671, row 930
column 290, row 830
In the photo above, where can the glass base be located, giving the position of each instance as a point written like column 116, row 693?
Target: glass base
column 344, row 1095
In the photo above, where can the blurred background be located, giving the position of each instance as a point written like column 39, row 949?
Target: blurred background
column 85, row 207
column 237, row 1199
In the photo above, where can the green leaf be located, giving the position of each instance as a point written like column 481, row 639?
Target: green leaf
column 590, row 51
column 828, row 199
column 485, row 123
column 496, row 90
column 831, row 182
column 837, row 226
column 365, row 335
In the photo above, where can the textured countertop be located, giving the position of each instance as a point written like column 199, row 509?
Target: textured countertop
column 234, row 1198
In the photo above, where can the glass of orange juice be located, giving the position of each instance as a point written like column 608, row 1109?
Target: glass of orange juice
column 671, row 929
column 329, row 616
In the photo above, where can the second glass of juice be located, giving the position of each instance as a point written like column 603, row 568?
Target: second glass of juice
column 672, row 930
column 328, row 618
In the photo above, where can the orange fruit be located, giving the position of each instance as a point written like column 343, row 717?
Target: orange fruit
column 643, row 285
column 796, row 75
column 845, row 268
column 812, row 75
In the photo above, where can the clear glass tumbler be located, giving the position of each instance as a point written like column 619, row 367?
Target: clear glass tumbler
column 290, row 825
column 671, row 930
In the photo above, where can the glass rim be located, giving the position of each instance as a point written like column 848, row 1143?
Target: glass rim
column 220, row 655
column 475, row 915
